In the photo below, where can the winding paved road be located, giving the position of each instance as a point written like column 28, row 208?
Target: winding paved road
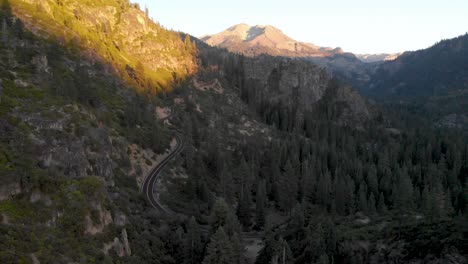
column 150, row 180
column 253, row 239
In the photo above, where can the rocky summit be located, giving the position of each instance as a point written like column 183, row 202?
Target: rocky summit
column 256, row 40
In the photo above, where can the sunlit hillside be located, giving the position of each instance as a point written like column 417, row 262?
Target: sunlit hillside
column 118, row 32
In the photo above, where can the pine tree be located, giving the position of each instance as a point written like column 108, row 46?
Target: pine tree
column 350, row 194
column 188, row 43
column 238, row 248
column 226, row 183
column 280, row 252
column 261, row 199
column 371, row 204
column 448, row 207
column 363, row 197
column 431, row 201
column 323, row 189
column 193, row 246
column 403, row 192
column 288, row 188
column 222, row 216
column 4, row 32
column 243, row 210
column 6, row 10
column 381, row 207
column 340, row 196
column 219, row 214
column 323, row 259
column 372, row 181
column 140, row 71
column 219, row 249
column 297, row 219
column 245, row 201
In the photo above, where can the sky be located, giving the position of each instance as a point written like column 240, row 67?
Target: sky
column 358, row 26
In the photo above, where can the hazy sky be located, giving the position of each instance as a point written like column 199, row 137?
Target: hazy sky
column 360, row 26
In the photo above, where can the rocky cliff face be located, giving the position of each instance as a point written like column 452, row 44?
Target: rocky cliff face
column 287, row 80
column 302, row 85
column 257, row 40
column 267, row 82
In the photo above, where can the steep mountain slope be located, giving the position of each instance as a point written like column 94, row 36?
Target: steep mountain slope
column 256, row 40
column 436, row 78
column 272, row 145
column 70, row 155
column 117, row 32
column 78, row 133
column 270, row 83
column 253, row 41
column 325, row 176
column 439, row 70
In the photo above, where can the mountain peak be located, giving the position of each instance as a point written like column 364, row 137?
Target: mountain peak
column 243, row 32
column 261, row 39
column 239, row 28
column 240, row 25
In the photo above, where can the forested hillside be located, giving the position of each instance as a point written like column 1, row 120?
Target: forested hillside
column 75, row 140
column 432, row 82
column 144, row 54
column 275, row 151
column 438, row 71
column 318, row 187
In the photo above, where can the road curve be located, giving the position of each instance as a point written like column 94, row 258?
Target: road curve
column 149, row 182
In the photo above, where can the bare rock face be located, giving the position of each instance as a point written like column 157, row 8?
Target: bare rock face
column 122, row 35
column 120, row 219
column 41, row 63
column 8, row 190
column 34, row 259
column 454, row 121
column 116, row 245
column 291, row 81
column 105, row 219
column 35, row 196
column 264, row 39
column 4, row 219
column 301, row 85
column 121, row 247
column 357, row 108
column 128, row 251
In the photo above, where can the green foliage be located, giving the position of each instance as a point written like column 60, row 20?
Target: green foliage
column 22, row 211
column 219, row 250
column 78, row 29
column 304, row 166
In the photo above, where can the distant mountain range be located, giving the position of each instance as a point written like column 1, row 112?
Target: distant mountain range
column 377, row 57
column 436, row 78
column 436, row 71
column 256, row 40
column 252, row 41
column 265, row 39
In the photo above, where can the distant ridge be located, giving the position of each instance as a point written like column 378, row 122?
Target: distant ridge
column 265, row 39
column 377, row 57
